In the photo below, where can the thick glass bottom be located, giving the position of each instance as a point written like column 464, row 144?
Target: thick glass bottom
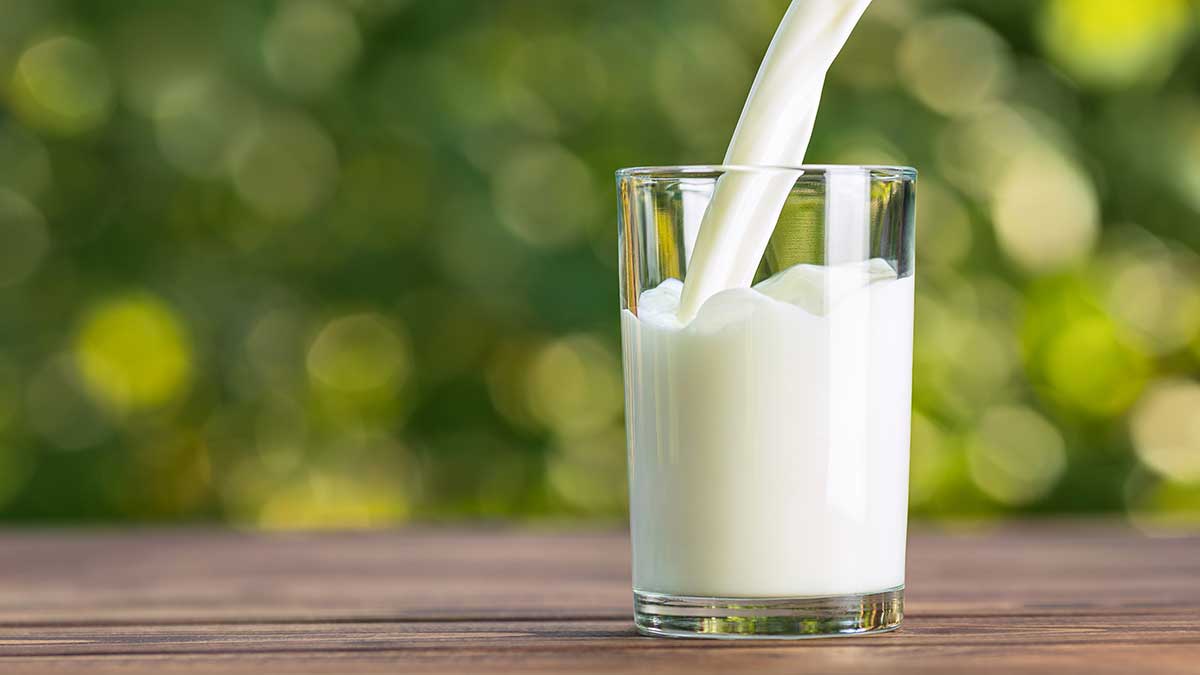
column 658, row 614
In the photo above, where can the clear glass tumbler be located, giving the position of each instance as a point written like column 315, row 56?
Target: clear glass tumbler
column 769, row 433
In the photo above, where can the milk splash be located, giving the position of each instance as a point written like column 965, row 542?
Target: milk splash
column 774, row 130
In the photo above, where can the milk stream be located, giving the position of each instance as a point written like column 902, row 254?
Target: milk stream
column 774, row 130
column 768, row 425
column 768, row 436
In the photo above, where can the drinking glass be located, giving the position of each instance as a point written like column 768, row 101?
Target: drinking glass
column 768, row 435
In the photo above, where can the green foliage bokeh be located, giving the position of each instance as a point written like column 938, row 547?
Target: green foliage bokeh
column 352, row 262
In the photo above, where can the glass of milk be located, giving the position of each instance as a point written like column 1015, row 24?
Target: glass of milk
column 768, row 429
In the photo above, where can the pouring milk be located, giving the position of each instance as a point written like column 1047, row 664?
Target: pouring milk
column 774, row 130
column 768, row 425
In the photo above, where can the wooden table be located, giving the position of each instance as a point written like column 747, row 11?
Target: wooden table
column 1061, row 597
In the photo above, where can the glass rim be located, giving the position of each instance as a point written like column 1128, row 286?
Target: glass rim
column 682, row 170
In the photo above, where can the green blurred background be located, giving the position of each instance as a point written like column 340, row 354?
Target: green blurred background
column 353, row 262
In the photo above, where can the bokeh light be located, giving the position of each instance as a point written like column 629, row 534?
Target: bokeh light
column 133, row 352
column 288, row 168
column 1046, row 212
column 953, row 63
column 544, row 194
column 1016, row 455
column 1091, row 367
column 1078, row 356
column 1115, row 43
column 358, row 353
column 1166, row 429
column 62, row 85
column 329, row 500
column 975, row 151
column 1156, row 295
column 506, row 377
column 588, row 472
column 199, row 123
column 963, row 346
column 309, row 44
column 574, row 385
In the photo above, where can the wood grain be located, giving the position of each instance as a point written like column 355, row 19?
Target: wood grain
column 1054, row 597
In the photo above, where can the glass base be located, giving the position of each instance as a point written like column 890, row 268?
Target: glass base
column 662, row 615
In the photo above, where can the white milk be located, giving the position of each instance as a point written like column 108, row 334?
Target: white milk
column 774, row 130
column 769, row 435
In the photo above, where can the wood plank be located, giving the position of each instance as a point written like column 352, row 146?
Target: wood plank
column 920, row 633
column 611, row 647
column 204, row 576
column 1072, row 597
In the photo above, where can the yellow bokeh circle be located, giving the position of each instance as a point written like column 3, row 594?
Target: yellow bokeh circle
column 133, row 352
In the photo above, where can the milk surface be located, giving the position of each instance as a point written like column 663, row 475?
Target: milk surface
column 768, row 435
